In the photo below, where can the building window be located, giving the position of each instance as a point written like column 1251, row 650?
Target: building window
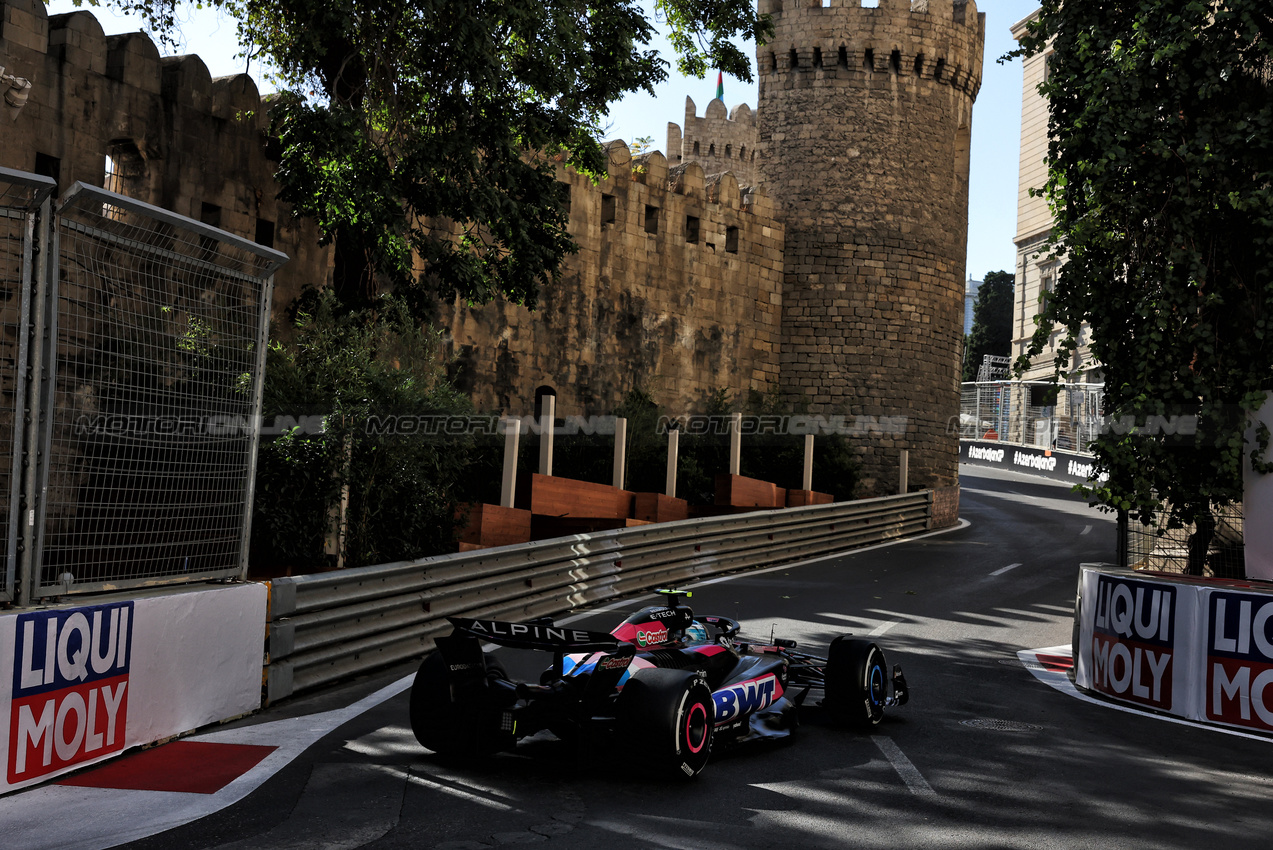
column 729, row 151
column 691, row 229
column 696, row 149
column 651, row 219
column 608, row 209
column 868, row 59
column 125, row 174
column 264, row 233
column 817, row 57
column 48, row 166
column 563, row 198
column 731, row 240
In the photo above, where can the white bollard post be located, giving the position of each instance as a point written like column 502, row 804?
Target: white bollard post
column 808, row 462
column 620, row 450
column 904, row 471
column 735, row 443
column 673, row 449
column 547, row 418
column 512, row 443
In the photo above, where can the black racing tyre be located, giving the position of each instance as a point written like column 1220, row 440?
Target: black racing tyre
column 445, row 725
column 667, row 718
column 856, row 682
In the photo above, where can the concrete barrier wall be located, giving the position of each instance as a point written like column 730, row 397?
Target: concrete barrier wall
column 1070, row 467
column 1201, row 649
column 82, row 683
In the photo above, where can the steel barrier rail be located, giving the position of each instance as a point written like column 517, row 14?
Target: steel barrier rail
column 327, row 626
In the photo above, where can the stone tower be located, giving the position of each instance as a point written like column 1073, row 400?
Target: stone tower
column 864, row 117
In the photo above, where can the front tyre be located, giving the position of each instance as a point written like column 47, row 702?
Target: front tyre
column 856, row 682
column 668, row 719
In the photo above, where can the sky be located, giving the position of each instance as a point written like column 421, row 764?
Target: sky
column 996, row 125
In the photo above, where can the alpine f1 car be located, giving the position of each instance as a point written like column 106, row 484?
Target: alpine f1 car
column 665, row 685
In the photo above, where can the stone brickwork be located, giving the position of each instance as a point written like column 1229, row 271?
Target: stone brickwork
column 817, row 244
column 716, row 141
column 177, row 138
column 676, row 288
column 865, row 120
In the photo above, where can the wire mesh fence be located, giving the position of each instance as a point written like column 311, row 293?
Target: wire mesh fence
column 157, row 338
column 1065, row 416
column 1219, row 551
column 23, row 209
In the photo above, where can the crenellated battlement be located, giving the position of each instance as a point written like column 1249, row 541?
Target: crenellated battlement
column 717, row 141
column 112, row 111
column 921, row 41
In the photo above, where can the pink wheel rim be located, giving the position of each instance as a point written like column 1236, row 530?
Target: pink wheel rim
column 693, row 729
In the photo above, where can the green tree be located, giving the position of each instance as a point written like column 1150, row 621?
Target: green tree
column 991, row 322
column 1161, row 186
column 423, row 135
column 342, row 372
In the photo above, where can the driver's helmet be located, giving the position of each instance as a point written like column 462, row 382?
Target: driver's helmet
column 696, row 632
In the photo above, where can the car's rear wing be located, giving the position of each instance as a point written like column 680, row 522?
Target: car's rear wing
column 540, row 635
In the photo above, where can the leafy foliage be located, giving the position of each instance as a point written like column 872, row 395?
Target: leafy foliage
column 423, row 135
column 348, row 369
column 991, row 322
column 1161, row 186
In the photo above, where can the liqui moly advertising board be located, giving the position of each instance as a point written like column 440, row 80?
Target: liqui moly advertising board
column 1239, row 659
column 79, row 684
column 1132, row 653
column 70, row 688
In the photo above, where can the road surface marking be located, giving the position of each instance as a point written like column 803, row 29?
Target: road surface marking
column 882, row 628
column 1086, row 529
column 910, row 774
column 1003, row 570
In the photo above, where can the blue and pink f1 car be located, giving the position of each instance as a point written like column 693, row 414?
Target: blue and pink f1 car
column 665, row 685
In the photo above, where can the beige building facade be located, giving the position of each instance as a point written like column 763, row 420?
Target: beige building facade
column 1036, row 268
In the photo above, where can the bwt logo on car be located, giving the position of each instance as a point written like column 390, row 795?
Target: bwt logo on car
column 1239, row 659
column 1131, row 641
column 745, row 697
column 70, row 688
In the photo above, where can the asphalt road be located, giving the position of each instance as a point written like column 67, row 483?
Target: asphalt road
column 985, row 755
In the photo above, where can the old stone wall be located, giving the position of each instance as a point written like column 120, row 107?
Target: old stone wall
column 175, row 137
column 864, row 119
column 718, row 142
column 676, row 288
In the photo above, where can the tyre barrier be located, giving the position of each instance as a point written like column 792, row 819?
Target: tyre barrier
column 328, row 626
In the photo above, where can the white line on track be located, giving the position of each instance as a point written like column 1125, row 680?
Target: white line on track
column 882, row 628
column 1003, row 570
column 909, row 772
column 1086, row 529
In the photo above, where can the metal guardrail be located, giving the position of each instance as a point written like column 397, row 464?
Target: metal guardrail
column 328, row 626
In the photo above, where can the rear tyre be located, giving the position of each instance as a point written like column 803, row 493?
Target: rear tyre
column 465, row 727
column 856, row 682
column 667, row 718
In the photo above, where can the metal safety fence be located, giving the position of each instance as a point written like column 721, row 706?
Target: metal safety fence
column 1032, row 413
column 1217, row 547
column 149, row 334
column 24, row 213
column 328, row 626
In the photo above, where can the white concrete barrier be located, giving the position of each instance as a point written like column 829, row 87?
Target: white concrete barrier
column 1200, row 649
column 80, row 683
